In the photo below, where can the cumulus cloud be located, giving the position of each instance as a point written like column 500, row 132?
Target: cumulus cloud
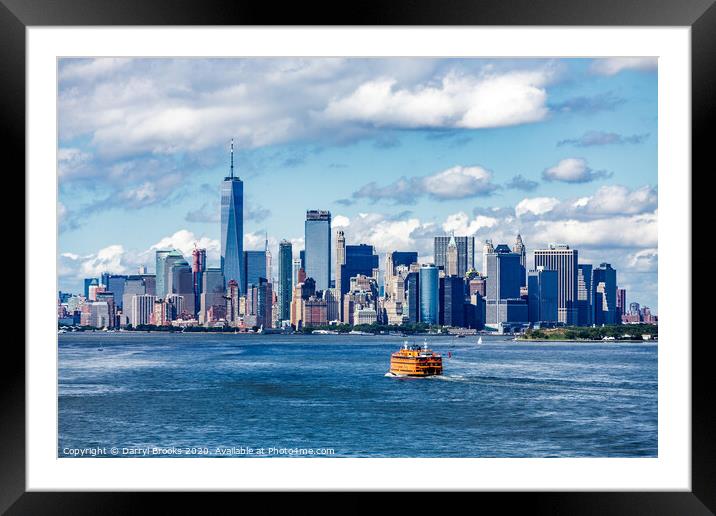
column 459, row 182
column 489, row 100
column 645, row 260
column 185, row 241
column 614, row 65
column 536, row 206
column 594, row 138
column 463, row 225
column 573, row 170
column 520, row 183
column 607, row 101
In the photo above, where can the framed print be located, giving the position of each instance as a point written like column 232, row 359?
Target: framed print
column 432, row 250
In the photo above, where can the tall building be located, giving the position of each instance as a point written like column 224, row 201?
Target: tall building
column 604, row 282
column 429, row 294
column 212, row 305
column 285, row 279
column 165, row 259
column 412, row 296
column 198, row 266
column 621, row 304
column 452, row 301
column 115, row 284
column 232, row 226
column 451, row 258
column 520, row 249
column 406, row 258
column 87, row 283
column 560, row 258
column 542, row 296
column 232, row 302
column 141, row 308
column 133, row 286
column 295, row 267
column 585, row 295
column 340, row 257
column 264, row 296
column 318, row 247
column 254, row 268
column 465, row 252
column 487, row 248
column 504, row 303
column 359, row 259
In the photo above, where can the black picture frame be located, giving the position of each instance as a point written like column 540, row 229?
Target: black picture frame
column 700, row 15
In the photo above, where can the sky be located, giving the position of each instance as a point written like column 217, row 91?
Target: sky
column 398, row 149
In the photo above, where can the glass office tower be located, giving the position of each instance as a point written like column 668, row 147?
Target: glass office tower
column 318, row 247
column 429, row 301
column 232, row 226
column 285, row 277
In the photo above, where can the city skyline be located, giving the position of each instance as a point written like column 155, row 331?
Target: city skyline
column 402, row 181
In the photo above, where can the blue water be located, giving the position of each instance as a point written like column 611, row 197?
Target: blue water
column 204, row 394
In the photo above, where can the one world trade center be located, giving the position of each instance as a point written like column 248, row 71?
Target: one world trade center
column 232, row 226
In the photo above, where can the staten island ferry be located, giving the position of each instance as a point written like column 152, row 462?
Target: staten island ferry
column 415, row 361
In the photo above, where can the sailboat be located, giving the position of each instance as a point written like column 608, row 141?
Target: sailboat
column 479, row 340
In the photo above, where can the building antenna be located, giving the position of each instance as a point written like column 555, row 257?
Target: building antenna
column 232, row 158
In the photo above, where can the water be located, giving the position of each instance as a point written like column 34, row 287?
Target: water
column 204, row 394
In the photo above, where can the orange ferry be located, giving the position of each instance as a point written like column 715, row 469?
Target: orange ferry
column 415, row 361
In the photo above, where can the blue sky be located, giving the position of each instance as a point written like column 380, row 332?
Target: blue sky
column 398, row 150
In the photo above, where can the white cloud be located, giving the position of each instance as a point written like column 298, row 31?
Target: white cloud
column 340, row 221
column 614, row 65
column 184, row 241
column 645, row 260
column 93, row 68
column 620, row 200
column 107, row 259
column 488, row 100
column 573, row 170
column 458, row 183
column 463, row 225
column 536, row 205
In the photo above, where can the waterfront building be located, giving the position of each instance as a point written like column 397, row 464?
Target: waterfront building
column 181, row 283
column 365, row 315
column 452, row 301
column 159, row 315
column 318, row 247
column 198, row 266
column 585, row 295
column 315, row 311
column 520, row 249
column 100, row 315
column 142, row 306
column 478, row 312
column 604, row 279
column 232, row 302
column 254, row 268
column 285, row 279
column 465, row 252
column 115, row 284
column 542, row 296
column 175, row 307
column 394, row 300
column 232, row 226
column 332, row 297
column 429, row 294
column 108, row 298
column 264, row 296
column 560, row 258
column 621, row 303
column 340, row 257
column 165, row 260
column 133, row 286
column 504, row 303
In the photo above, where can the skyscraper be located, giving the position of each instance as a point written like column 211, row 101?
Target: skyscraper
column 285, row 279
column 452, row 301
column 520, row 249
column 198, row 266
column 412, row 297
column 585, row 295
column 212, row 303
column 621, row 304
column 429, row 294
column 254, row 268
column 487, row 248
column 560, row 258
column 340, row 256
column 604, row 283
column 165, row 260
column 465, row 252
column 232, row 226
column 503, row 301
column 542, row 296
column 318, row 247
column 406, row 258
column 451, row 258
column 87, row 283
column 359, row 259
column 296, row 266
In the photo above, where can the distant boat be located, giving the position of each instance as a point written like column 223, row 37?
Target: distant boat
column 100, row 349
column 479, row 340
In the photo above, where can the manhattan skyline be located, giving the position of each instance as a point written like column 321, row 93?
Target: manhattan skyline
column 399, row 151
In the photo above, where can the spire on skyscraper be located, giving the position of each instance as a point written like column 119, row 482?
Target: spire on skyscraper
column 232, row 158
